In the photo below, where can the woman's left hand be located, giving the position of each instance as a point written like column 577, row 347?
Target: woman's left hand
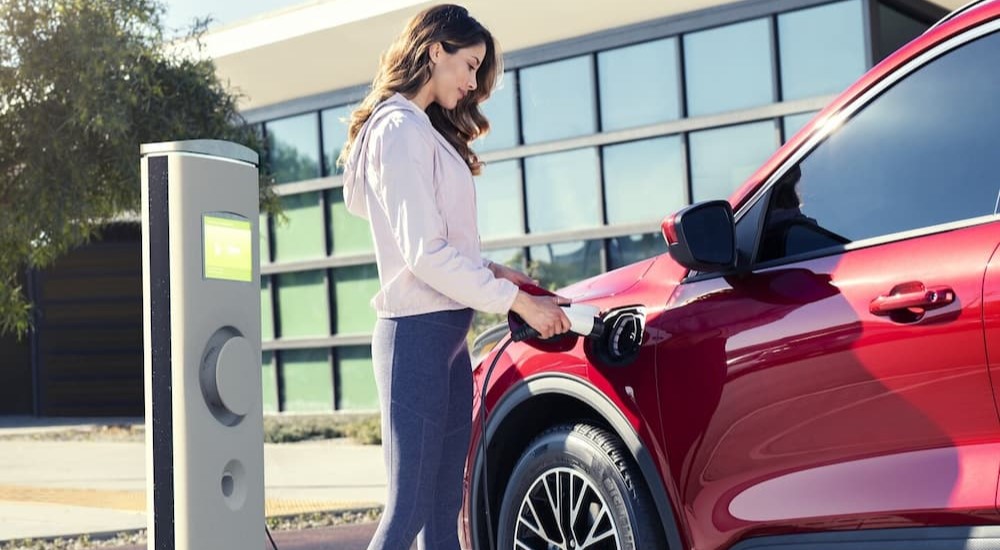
column 503, row 272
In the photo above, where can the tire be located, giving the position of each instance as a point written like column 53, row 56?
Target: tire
column 584, row 464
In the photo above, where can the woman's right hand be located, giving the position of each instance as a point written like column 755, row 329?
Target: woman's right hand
column 542, row 313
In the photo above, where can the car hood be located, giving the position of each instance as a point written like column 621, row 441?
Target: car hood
column 611, row 283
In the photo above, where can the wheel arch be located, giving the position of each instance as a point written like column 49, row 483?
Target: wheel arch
column 561, row 398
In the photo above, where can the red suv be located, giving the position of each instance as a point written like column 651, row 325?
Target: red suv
column 816, row 362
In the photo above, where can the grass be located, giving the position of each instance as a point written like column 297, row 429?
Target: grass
column 364, row 429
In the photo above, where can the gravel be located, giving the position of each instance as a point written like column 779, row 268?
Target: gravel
column 297, row 522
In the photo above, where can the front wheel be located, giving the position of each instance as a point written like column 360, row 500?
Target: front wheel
column 575, row 487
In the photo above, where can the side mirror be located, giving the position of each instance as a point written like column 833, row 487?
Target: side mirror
column 702, row 236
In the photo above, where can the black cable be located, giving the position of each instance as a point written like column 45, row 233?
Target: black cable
column 517, row 337
column 523, row 333
column 268, row 531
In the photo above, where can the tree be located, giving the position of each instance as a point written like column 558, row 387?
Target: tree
column 82, row 84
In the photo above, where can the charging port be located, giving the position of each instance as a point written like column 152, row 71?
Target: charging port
column 624, row 329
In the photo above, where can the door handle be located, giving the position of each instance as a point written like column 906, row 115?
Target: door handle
column 910, row 296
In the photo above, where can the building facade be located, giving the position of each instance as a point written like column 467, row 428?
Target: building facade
column 610, row 116
column 595, row 138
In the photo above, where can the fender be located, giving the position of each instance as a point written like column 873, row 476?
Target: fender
column 584, row 392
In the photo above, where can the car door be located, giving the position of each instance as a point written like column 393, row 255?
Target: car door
column 839, row 380
column 991, row 322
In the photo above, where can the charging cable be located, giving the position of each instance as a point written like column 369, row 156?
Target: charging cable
column 523, row 333
column 585, row 322
column 268, row 531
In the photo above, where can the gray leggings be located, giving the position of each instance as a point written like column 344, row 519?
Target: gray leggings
column 424, row 380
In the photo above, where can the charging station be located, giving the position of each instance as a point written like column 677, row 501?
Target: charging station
column 201, row 329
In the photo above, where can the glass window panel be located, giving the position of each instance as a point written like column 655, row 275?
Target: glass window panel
column 729, row 68
column 500, row 111
column 307, row 380
column 300, row 236
column 935, row 168
column 512, row 257
column 353, row 288
column 498, row 200
column 266, row 310
column 722, row 158
column 334, row 123
column 302, row 305
column 264, row 234
column 639, row 84
column 269, row 380
column 562, row 191
column 895, row 30
column 644, row 180
column 548, row 110
column 356, row 389
column 561, row 264
column 293, row 145
column 349, row 234
column 822, row 49
column 627, row 250
column 794, row 123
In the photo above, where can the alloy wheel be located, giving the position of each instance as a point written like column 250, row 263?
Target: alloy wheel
column 564, row 511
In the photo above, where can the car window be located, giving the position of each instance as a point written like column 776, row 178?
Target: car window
column 923, row 153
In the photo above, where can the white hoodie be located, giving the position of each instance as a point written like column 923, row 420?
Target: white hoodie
column 419, row 198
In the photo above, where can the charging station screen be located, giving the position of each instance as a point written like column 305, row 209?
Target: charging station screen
column 227, row 246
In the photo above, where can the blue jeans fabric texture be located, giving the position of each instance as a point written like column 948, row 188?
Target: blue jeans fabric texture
column 424, row 378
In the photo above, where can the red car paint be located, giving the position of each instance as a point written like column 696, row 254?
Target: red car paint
column 807, row 397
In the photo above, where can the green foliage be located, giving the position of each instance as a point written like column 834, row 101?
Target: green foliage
column 288, row 164
column 551, row 276
column 82, row 85
column 289, row 429
column 364, row 429
column 554, row 275
column 364, row 513
column 366, row 432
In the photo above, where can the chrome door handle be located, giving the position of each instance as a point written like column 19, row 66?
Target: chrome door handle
column 912, row 295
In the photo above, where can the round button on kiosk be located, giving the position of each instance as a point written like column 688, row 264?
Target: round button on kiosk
column 231, row 376
column 226, row 381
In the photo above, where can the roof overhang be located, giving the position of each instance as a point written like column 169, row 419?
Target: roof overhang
column 334, row 44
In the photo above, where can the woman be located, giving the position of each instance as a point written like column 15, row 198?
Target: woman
column 408, row 170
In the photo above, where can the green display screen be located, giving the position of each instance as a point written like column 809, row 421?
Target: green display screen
column 227, row 247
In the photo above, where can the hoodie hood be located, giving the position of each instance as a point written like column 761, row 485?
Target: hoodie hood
column 355, row 197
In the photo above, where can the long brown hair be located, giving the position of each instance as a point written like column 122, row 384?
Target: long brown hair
column 405, row 67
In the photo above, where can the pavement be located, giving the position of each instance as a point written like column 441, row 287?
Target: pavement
column 54, row 489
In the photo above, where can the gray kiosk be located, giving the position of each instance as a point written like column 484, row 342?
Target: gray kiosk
column 201, row 328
